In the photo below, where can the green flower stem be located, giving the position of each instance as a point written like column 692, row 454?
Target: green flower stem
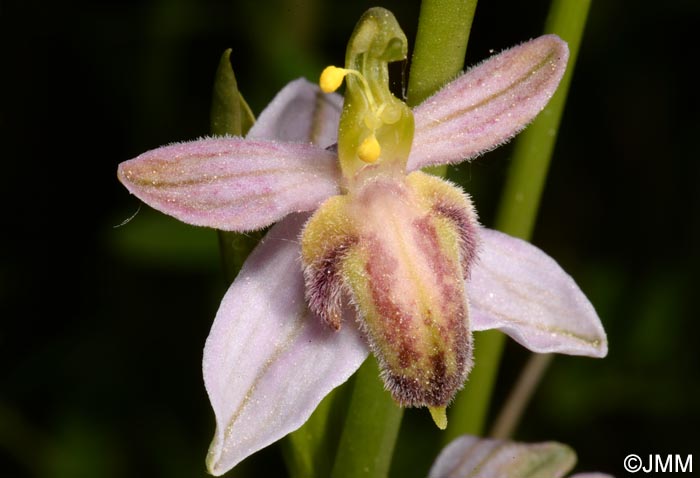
column 373, row 419
column 441, row 42
column 309, row 451
column 468, row 412
column 518, row 211
column 371, row 428
column 438, row 55
column 230, row 115
column 533, row 150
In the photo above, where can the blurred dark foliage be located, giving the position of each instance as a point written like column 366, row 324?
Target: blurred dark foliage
column 102, row 327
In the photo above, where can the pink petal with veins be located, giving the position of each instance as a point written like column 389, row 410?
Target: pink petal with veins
column 489, row 104
column 231, row 183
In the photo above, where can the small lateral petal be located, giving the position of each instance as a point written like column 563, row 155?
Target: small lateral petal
column 520, row 290
column 473, row 457
column 231, row 183
column 267, row 361
column 302, row 113
column 489, row 104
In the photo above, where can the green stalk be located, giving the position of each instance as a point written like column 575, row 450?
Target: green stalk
column 309, row 451
column 518, row 211
column 533, row 150
column 438, row 55
column 371, row 428
column 373, row 419
column 468, row 412
column 441, row 43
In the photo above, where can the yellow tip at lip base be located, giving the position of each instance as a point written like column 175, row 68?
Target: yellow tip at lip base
column 332, row 78
column 439, row 416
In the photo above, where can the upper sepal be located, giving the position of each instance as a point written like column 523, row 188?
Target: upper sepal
column 231, row 183
column 520, row 290
column 300, row 113
column 488, row 104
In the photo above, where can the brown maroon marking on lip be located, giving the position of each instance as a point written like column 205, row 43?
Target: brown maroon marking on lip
column 407, row 391
column 427, row 238
column 395, row 321
column 433, row 387
column 452, row 328
column 324, row 284
column 467, row 229
column 418, row 379
column 444, row 270
column 407, row 355
column 442, row 385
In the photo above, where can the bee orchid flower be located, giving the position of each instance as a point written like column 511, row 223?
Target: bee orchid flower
column 368, row 253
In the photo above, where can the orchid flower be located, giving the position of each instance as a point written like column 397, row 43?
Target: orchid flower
column 368, row 253
column 473, row 457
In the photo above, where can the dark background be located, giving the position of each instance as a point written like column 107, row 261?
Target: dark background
column 101, row 328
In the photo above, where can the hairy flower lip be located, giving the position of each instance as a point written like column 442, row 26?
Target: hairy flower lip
column 285, row 386
column 404, row 274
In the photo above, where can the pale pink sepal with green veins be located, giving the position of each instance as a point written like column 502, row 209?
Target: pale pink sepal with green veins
column 264, row 339
column 268, row 360
column 235, row 184
column 518, row 289
column 474, row 457
column 232, row 184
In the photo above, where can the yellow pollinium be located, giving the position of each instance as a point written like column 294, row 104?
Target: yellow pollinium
column 332, row 78
column 376, row 128
column 369, row 150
